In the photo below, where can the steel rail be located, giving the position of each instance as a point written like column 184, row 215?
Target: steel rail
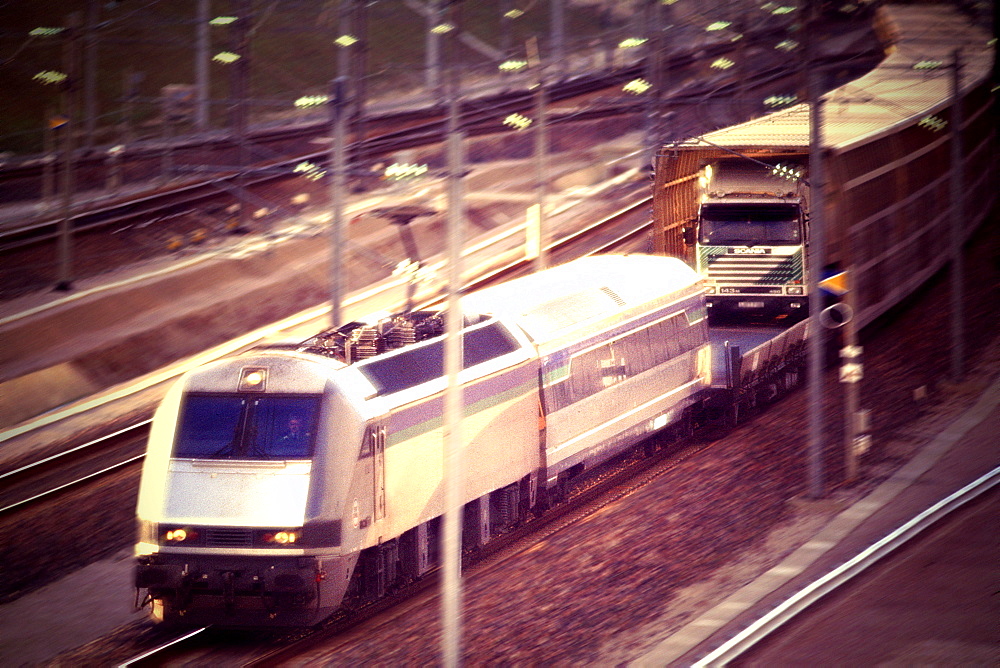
column 72, row 483
column 58, row 455
column 134, row 431
column 188, row 194
column 161, row 648
column 843, row 574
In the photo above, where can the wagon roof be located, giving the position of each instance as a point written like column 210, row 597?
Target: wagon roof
column 912, row 83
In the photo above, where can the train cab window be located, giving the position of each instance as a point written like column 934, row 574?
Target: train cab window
column 283, row 428
column 239, row 427
column 209, row 426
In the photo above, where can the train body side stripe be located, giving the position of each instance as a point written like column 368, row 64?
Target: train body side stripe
column 427, row 415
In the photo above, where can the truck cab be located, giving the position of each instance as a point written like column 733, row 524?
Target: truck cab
column 750, row 239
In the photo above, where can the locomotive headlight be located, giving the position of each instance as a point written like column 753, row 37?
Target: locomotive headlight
column 179, row 535
column 176, row 535
column 277, row 538
column 285, row 537
column 253, row 379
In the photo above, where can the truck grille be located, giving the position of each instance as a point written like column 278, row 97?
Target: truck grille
column 756, row 269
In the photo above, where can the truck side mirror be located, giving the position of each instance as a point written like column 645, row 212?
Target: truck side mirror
column 688, row 235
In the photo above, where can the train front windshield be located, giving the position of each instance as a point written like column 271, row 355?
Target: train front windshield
column 769, row 225
column 239, row 427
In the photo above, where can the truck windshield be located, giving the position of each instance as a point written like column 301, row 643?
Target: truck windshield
column 216, row 426
column 749, row 225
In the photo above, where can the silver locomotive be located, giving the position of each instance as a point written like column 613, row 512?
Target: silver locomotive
column 286, row 482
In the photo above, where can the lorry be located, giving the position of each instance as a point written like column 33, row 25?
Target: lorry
column 749, row 237
column 741, row 221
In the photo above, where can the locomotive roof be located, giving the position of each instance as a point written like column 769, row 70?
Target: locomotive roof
column 583, row 290
column 911, row 83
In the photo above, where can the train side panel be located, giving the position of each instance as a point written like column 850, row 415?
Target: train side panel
column 499, row 447
column 623, row 344
column 605, row 394
column 500, row 434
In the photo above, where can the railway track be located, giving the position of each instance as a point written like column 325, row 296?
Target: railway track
column 198, row 192
column 47, row 477
column 384, row 135
column 772, row 622
column 21, row 178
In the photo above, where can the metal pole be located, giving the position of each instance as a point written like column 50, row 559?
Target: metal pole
column 90, row 72
column 957, row 232
column 338, row 167
column 337, row 187
column 65, row 280
column 432, row 71
column 541, row 165
column 130, row 85
column 49, row 164
column 743, row 79
column 558, row 51
column 505, row 26
column 851, row 355
column 65, row 242
column 114, row 158
column 817, row 184
column 359, row 79
column 662, row 82
column 167, row 157
column 451, row 584
column 344, row 28
column 201, row 65
column 238, row 101
column 654, row 68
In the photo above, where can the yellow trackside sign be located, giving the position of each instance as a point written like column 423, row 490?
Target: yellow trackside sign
column 836, row 284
